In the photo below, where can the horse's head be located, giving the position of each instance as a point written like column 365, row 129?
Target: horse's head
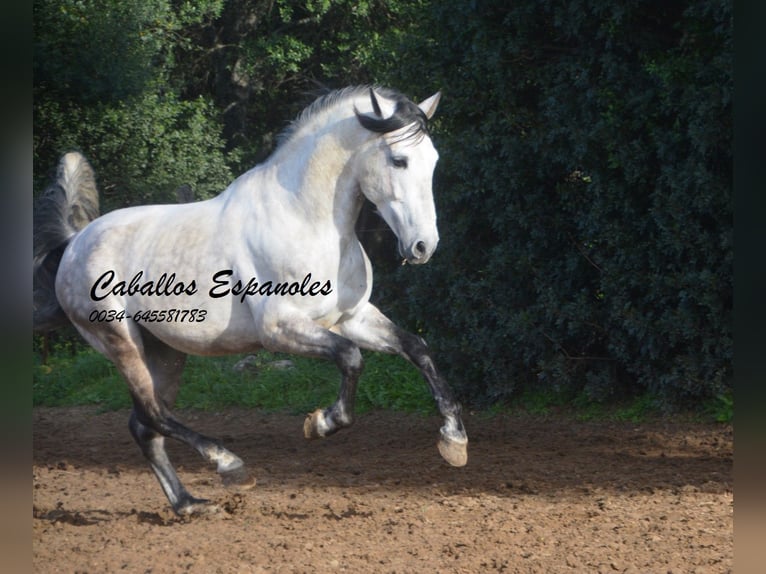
column 395, row 169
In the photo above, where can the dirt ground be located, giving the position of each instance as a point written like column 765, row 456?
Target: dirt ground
column 538, row 495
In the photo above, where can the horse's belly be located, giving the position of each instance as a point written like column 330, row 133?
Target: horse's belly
column 206, row 342
column 208, row 327
column 198, row 326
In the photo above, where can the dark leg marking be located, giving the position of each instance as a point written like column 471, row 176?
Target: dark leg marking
column 152, row 446
column 322, row 423
column 454, row 440
column 370, row 329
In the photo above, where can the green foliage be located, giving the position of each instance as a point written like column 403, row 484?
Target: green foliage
column 77, row 43
column 90, row 51
column 270, row 58
column 145, row 146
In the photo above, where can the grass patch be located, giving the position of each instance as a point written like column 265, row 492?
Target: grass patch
column 81, row 376
column 85, row 377
column 634, row 409
column 211, row 383
column 390, row 382
column 721, row 408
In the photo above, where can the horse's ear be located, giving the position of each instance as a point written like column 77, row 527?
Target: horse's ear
column 428, row 106
column 375, row 104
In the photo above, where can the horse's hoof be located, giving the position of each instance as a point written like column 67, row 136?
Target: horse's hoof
column 453, row 451
column 313, row 423
column 238, row 478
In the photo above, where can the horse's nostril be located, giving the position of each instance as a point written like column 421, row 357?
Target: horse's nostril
column 420, row 249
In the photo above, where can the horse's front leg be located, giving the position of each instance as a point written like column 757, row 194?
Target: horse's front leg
column 370, row 329
column 303, row 337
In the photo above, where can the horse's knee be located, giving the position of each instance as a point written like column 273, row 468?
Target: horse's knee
column 349, row 358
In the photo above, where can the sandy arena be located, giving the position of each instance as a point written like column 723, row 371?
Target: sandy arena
column 539, row 494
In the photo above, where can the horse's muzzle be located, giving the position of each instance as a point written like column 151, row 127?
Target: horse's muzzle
column 418, row 252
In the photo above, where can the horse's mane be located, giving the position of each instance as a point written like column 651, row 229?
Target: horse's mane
column 405, row 112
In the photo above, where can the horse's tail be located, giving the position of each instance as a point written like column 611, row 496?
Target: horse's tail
column 66, row 206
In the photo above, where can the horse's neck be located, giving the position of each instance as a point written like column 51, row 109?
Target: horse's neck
column 315, row 173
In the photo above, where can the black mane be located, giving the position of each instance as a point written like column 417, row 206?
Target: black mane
column 406, row 113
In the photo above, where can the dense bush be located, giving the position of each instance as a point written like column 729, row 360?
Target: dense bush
column 584, row 197
column 584, row 187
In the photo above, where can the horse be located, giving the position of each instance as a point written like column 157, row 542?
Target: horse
column 272, row 262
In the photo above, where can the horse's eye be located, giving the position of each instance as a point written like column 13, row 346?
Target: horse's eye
column 399, row 162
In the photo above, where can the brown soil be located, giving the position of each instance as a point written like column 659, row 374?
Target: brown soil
column 537, row 496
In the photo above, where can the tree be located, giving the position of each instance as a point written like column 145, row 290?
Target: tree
column 103, row 84
column 263, row 61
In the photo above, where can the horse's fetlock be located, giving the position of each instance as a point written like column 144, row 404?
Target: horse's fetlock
column 344, row 420
column 339, row 416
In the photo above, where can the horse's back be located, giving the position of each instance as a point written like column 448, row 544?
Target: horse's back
column 126, row 242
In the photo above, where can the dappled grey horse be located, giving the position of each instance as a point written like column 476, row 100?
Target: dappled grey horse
column 272, row 262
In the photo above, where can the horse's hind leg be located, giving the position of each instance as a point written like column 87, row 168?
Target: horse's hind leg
column 167, row 365
column 152, row 370
column 152, row 445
